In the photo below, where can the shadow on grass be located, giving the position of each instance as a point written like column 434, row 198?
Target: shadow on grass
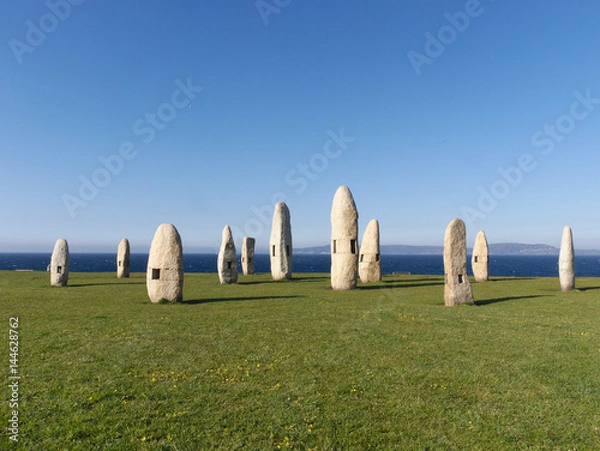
column 509, row 279
column 389, row 285
column 588, row 288
column 512, row 298
column 246, row 298
column 80, row 285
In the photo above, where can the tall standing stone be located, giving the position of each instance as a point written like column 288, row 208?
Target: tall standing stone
column 480, row 259
column 457, row 289
column 227, row 267
column 566, row 261
column 123, row 258
column 59, row 264
column 248, row 255
column 369, row 262
column 164, row 276
column 280, row 243
column 344, row 240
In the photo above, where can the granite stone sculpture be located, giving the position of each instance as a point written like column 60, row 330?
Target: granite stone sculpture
column 369, row 261
column 227, row 266
column 480, row 259
column 344, row 240
column 280, row 243
column 164, row 276
column 59, row 264
column 566, row 261
column 457, row 289
column 248, row 255
column 123, row 259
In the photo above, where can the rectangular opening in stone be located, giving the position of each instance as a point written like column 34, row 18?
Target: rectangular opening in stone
column 376, row 257
column 273, row 251
column 475, row 259
column 228, row 265
column 59, row 270
column 155, row 273
column 353, row 246
column 333, row 247
column 460, row 278
column 362, row 257
column 120, row 263
column 287, row 250
column 249, row 259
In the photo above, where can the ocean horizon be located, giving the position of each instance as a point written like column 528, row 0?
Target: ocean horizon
column 423, row 264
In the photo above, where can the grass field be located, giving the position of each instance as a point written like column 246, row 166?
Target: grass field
column 266, row 365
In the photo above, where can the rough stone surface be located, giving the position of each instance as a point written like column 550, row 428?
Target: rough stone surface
column 369, row 261
column 59, row 264
column 248, row 255
column 164, row 276
column 566, row 261
column 344, row 240
column 480, row 259
column 123, row 258
column 457, row 289
column 227, row 266
column 280, row 243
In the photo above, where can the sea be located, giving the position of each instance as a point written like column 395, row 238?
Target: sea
column 500, row 265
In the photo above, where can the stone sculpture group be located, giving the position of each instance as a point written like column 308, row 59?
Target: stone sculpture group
column 165, row 271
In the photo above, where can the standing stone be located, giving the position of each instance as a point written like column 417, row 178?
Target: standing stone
column 369, row 262
column 480, row 260
column 227, row 267
column 457, row 289
column 164, row 276
column 248, row 255
column 566, row 261
column 59, row 264
column 280, row 243
column 344, row 240
column 123, row 258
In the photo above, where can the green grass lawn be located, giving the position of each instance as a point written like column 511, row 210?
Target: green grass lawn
column 266, row 365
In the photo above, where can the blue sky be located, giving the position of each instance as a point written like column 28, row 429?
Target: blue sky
column 117, row 117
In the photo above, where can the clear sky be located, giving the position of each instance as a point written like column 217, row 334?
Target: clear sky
column 117, row 116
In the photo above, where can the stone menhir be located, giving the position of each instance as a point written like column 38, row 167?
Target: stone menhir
column 248, row 255
column 566, row 261
column 59, row 264
column 123, row 258
column 227, row 267
column 457, row 289
column 369, row 262
column 480, row 259
column 344, row 240
column 164, row 276
column 280, row 243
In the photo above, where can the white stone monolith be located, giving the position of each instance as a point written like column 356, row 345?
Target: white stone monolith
column 227, row 266
column 248, row 255
column 123, row 258
column 280, row 243
column 369, row 261
column 457, row 289
column 566, row 261
column 59, row 264
column 480, row 259
column 344, row 240
column 164, row 275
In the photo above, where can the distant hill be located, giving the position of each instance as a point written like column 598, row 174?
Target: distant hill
column 495, row 248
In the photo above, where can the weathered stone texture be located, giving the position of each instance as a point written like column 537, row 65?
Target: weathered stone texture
column 344, row 240
column 123, row 258
column 480, row 259
column 457, row 289
column 369, row 262
column 566, row 261
column 227, row 266
column 280, row 243
column 59, row 264
column 248, row 255
column 164, row 276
